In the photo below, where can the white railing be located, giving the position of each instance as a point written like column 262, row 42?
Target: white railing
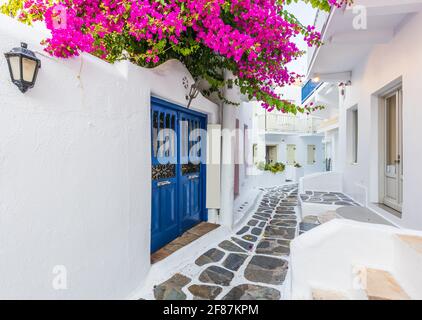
column 328, row 123
column 284, row 123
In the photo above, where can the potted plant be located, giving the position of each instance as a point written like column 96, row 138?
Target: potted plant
column 277, row 167
column 272, row 174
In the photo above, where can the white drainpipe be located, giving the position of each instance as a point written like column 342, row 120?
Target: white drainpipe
column 228, row 122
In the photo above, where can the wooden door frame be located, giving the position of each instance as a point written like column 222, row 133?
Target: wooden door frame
column 396, row 91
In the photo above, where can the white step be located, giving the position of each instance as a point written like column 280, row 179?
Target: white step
column 321, row 294
column 414, row 242
column 381, row 285
column 408, row 263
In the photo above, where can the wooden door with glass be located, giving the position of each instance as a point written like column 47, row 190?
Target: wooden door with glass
column 393, row 151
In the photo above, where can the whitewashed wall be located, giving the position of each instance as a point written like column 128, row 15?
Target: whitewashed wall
column 75, row 171
column 301, row 143
column 291, row 93
column 333, row 136
column 244, row 114
column 401, row 58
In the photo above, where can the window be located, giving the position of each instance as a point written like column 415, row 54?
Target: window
column 353, row 134
column 311, row 154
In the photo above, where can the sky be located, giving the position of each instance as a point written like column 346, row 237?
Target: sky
column 306, row 15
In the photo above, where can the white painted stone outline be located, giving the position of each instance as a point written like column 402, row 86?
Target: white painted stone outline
column 193, row 271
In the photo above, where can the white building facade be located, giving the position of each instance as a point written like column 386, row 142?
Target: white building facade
column 293, row 140
column 371, row 60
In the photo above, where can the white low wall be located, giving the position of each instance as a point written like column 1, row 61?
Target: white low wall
column 75, row 172
column 266, row 179
column 326, row 181
column 324, row 258
column 281, row 141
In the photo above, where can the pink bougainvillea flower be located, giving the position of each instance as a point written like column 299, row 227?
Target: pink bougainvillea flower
column 253, row 37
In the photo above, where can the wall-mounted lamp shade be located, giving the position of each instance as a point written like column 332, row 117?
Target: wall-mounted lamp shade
column 23, row 67
column 316, row 79
column 194, row 91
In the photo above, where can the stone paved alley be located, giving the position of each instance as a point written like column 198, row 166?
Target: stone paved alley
column 252, row 264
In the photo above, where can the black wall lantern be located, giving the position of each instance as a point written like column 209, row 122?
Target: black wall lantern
column 23, row 67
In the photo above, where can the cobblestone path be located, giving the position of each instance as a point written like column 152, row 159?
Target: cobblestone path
column 252, row 264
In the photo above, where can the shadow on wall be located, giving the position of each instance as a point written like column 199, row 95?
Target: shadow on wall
column 75, row 152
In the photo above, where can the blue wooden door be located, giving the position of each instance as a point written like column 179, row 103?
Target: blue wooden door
column 165, row 220
column 178, row 171
column 191, row 179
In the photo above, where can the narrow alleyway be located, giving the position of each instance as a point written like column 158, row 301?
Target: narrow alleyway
column 252, row 264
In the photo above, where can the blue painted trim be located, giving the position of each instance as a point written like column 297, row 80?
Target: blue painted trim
column 171, row 105
column 309, row 88
column 167, row 104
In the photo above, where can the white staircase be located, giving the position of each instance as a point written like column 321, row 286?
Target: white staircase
column 414, row 242
column 321, row 294
column 344, row 259
column 381, row 285
column 408, row 263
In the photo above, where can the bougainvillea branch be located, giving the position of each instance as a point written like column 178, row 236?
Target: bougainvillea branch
column 254, row 39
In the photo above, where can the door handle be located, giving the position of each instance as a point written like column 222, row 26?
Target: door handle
column 397, row 161
column 193, row 177
column 163, row 183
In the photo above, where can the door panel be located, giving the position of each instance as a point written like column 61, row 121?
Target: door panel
column 164, row 177
column 191, row 172
column 178, row 175
column 391, row 189
column 191, row 207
